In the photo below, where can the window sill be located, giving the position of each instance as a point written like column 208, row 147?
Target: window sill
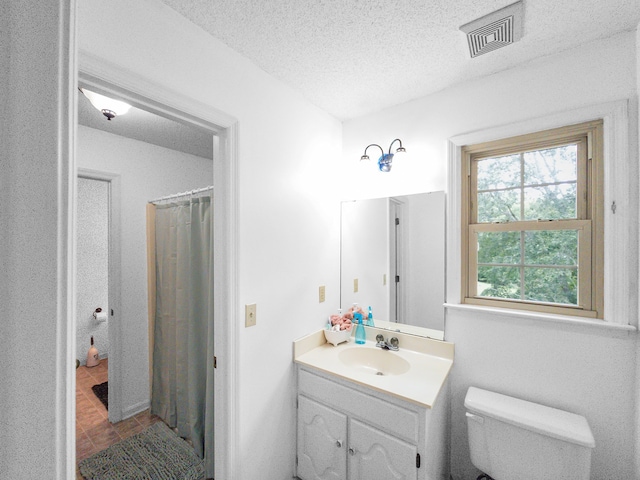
column 587, row 323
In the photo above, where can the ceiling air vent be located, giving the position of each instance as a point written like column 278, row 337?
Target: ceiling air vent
column 495, row 30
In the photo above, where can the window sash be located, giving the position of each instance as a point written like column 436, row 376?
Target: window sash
column 582, row 210
column 583, row 227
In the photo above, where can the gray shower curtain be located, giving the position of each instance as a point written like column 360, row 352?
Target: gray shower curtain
column 182, row 386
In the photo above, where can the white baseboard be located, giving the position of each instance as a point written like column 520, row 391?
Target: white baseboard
column 134, row 409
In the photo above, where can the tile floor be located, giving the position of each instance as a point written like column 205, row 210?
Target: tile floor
column 93, row 430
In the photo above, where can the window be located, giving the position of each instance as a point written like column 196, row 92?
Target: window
column 532, row 222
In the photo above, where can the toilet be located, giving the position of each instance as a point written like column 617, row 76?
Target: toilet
column 513, row 439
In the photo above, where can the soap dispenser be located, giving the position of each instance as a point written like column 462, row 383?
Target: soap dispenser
column 361, row 335
column 370, row 318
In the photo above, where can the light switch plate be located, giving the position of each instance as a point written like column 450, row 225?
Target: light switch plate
column 355, row 285
column 250, row 313
column 321, row 294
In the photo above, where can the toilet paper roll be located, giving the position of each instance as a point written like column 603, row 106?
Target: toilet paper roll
column 100, row 316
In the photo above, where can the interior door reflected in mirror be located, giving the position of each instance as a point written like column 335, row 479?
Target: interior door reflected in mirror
column 392, row 259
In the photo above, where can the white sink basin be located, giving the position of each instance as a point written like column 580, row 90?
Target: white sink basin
column 374, row 361
column 415, row 373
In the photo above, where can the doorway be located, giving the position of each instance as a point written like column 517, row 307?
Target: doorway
column 396, row 260
column 102, row 204
column 92, row 270
column 223, row 130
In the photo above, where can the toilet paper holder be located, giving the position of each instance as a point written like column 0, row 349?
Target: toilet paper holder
column 96, row 312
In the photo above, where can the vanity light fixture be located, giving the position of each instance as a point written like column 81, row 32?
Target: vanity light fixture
column 385, row 160
column 108, row 106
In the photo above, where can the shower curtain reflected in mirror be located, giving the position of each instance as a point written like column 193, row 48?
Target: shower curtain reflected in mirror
column 182, row 329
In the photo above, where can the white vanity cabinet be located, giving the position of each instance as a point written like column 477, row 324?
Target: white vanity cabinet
column 322, row 441
column 351, row 432
column 376, row 454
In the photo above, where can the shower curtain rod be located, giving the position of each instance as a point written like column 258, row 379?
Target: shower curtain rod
column 183, row 194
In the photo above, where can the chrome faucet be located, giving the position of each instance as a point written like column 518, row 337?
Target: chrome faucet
column 391, row 344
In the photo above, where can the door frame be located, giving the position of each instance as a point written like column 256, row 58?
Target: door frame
column 397, row 260
column 115, row 279
column 112, row 80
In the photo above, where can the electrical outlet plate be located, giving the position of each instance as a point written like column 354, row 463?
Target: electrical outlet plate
column 321, row 293
column 250, row 314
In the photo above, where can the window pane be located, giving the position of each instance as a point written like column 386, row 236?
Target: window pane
column 499, row 247
column 550, row 202
column 499, row 172
column 499, row 282
column 551, row 165
column 551, row 247
column 502, row 206
column 554, row 285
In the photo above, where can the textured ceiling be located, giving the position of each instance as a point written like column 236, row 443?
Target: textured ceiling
column 353, row 57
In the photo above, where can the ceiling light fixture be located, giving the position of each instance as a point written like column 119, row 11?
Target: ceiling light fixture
column 385, row 160
column 108, row 106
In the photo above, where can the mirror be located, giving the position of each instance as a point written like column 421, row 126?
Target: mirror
column 392, row 255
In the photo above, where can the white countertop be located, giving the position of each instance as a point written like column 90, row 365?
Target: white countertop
column 430, row 362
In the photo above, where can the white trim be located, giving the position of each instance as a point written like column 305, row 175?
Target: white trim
column 133, row 409
column 66, row 111
column 112, row 80
column 597, row 325
column 138, row 91
column 620, row 260
column 225, row 284
column 115, row 282
column 453, row 219
column 620, row 232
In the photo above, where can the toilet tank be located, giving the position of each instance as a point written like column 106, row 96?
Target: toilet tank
column 511, row 438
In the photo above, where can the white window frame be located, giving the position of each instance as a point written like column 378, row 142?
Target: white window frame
column 620, row 192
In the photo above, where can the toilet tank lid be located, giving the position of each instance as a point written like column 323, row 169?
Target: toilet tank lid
column 530, row 416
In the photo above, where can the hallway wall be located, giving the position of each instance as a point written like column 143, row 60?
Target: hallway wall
column 146, row 172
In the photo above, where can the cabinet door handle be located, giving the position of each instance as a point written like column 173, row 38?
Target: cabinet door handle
column 352, row 451
column 338, row 444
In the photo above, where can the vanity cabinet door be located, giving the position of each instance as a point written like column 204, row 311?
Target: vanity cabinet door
column 322, row 442
column 376, row 455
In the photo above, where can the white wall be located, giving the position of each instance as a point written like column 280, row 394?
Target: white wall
column 575, row 369
column 424, row 259
column 288, row 220
column 578, row 369
column 92, row 266
column 365, row 256
column 146, row 172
